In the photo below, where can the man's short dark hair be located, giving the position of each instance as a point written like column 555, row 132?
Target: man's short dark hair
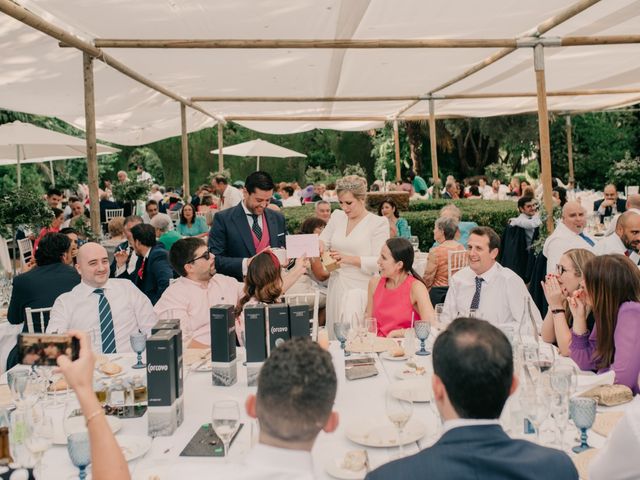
column 53, row 191
column 144, row 233
column 260, row 180
column 474, row 360
column 221, row 179
column 494, row 239
column 132, row 219
column 68, row 230
column 522, row 201
column 150, row 202
column 288, row 189
column 56, row 212
column 296, row 390
column 51, row 248
column 183, row 252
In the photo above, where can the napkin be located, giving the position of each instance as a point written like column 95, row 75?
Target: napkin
column 587, row 382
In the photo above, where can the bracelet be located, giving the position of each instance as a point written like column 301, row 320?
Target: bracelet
column 558, row 310
column 92, row 416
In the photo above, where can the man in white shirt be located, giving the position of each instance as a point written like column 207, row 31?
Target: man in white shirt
column 569, row 233
column 495, row 293
column 626, row 238
column 230, row 196
column 528, row 218
column 109, row 309
column 288, row 199
column 143, row 176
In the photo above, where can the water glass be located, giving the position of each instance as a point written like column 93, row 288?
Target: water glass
column 583, row 413
column 40, row 439
column 422, row 329
column 138, row 344
column 342, row 330
column 439, row 317
column 79, row 451
column 560, row 413
column 17, row 381
column 225, row 419
column 399, row 412
column 563, row 379
column 372, row 331
column 536, row 408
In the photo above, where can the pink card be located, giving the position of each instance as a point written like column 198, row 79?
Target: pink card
column 301, row 245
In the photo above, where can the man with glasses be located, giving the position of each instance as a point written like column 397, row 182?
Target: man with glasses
column 199, row 288
column 238, row 233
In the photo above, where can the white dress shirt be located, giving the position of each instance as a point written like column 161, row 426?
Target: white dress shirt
column 560, row 241
column 131, row 311
column 502, row 296
column 230, row 197
column 291, row 202
column 618, row 460
column 467, row 422
column 611, row 244
column 144, row 177
column 528, row 223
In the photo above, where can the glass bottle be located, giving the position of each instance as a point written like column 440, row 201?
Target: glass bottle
column 5, row 451
column 139, row 390
column 117, row 393
column 101, row 390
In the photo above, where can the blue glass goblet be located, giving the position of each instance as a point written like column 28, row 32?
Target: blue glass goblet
column 138, row 343
column 341, row 329
column 422, row 328
column 79, row 451
column 583, row 413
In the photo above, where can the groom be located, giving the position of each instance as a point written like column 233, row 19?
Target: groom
column 238, row 233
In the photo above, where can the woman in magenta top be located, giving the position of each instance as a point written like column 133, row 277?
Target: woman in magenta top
column 612, row 290
column 398, row 294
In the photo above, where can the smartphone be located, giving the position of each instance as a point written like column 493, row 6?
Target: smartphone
column 45, row 348
column 125, row 411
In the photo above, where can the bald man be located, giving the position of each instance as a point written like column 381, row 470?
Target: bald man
column 569, row 233
column 625, row 239
column 109, row 309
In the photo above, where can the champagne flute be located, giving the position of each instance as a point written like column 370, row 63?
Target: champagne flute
column 399, row 412
column 371, row 331
column 79, row 452
column 225, row 419
column 138, row 344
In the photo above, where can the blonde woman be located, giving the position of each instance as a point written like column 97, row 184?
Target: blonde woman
column 558, row 286
column 354, row 238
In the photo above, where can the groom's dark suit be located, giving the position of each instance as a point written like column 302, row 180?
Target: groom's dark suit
column 230, row 238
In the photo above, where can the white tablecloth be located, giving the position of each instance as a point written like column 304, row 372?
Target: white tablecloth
column 8, row 338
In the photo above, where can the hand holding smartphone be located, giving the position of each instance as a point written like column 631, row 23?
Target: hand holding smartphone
column 43, row 349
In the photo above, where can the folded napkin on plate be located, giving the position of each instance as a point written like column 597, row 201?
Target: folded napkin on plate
column 609, row 395
column 587, row 382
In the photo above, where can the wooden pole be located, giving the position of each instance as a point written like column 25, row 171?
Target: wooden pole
column 53, row 175
column 185, row 152
column 543, row 128
column 396, row 142
column 570, row 148
column 220, row 147
column 384, row 98
column 90, row 129
column 434, row 149
column 18, row 172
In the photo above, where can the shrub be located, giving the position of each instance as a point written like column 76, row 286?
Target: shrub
column 625, row 171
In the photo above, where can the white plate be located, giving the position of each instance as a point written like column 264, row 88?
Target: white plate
column 388, row 356
column 417, row 390
column 385, row 435
column 133, row 446
column 334, row 468
column 77, row 424
column 405, row 374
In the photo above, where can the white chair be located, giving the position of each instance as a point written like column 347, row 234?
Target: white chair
column 303, row 299
column 29, row 313
column 111, row 213
column 456, row 261
column 25, row 247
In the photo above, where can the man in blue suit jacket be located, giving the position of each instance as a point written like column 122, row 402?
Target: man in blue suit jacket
column 231, row 238
column 604, row 206
column 153, row 271
column 473, row 377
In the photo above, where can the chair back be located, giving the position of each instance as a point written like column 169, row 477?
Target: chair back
column 303, row 298
column 174, row 215
column 456, row 261
column 25, row 247
column 42, row 316
column 111, row 213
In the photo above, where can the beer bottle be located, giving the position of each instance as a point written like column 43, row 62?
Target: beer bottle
column 5, row 452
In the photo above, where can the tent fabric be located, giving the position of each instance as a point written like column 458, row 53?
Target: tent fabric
column 259, row 148
column 40, row 77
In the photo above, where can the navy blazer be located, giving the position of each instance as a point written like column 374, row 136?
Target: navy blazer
column 230, row 238
column 621, row 206
column 479, row 452
column 156, row 275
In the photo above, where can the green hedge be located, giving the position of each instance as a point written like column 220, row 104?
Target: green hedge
column 422, row 216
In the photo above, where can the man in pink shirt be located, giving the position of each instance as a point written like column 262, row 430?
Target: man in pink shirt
column 199, row 287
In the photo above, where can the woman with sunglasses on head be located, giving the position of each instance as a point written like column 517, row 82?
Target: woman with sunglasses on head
column 612, row 290
column 557, row 287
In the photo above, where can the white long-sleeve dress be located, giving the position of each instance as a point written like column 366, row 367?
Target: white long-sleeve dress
column 364, row 241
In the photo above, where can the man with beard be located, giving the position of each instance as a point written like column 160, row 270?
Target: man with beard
column 199, row 287
column 625, row 239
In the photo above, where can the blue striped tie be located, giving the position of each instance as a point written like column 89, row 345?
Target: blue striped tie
column 475, row 301
column 586, row 239
column 107, row 332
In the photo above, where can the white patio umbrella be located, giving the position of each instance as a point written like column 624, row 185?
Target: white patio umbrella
column 25, row 143
column 258, row 148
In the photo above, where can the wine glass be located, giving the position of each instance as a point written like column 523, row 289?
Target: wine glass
column 79, row 451
column 438, row 310
column 371, row 331
column 562, row 379
column 138, row 344
column 583, row 414
column 341, row 330
column 422, row 328
column 39, row 440
column 17, row 381
column 225, row 419
column 536, row 409
column 399, row 412
column 560, row 413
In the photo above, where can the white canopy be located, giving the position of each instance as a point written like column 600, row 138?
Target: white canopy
column 40, row 77
column 258, row 148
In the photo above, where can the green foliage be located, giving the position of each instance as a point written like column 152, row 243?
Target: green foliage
column 315, row 175
column 498, row 170
column 131, row 191
column 22, row 207
column 354, row 170
column 625, row 171
column 384, row 153
column 533, row 169
column 150, row 161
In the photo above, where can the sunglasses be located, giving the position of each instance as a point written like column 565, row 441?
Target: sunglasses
column 206, row 255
